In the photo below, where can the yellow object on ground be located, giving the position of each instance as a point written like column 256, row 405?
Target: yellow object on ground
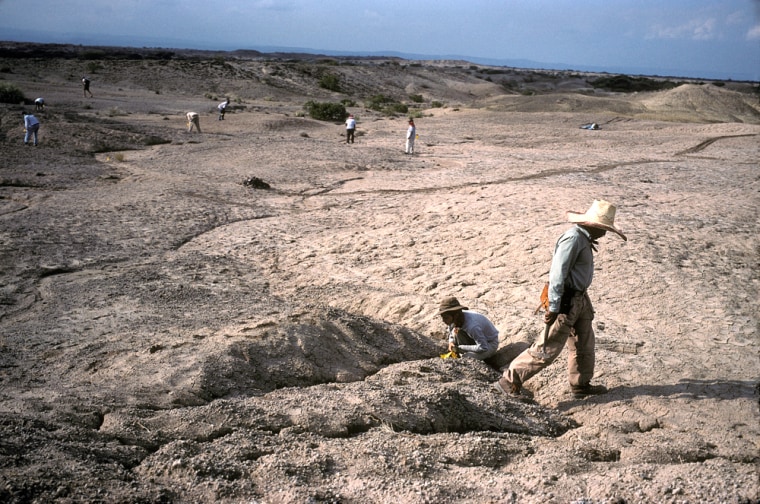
column 450, row 355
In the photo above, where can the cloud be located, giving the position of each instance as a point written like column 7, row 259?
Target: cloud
column 754, row 33
column 696, row 29
column 273, row 5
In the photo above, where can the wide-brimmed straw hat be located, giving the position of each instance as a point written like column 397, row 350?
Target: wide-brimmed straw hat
column 601, row 215
column 450, row 304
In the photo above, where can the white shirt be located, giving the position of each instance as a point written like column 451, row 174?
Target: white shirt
column 351, row 123
column 481, row 330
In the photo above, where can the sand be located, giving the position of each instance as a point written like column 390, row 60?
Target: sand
column 171, row 333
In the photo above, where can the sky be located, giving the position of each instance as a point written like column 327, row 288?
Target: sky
column 714, row 39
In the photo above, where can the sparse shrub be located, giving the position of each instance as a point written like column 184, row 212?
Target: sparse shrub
column 330, row 82
column 100, row 146
column 325, row 111
column 386, row 105
column 90, row 54
column 154, row 140
column 120, row 157
column 508, row 85
column 348, row 102
column 436, row 104
column 416, row 98
column 93, row 67
column 626, row 84
column 377, row 102
column 163, row 55
column 11, row 94
column 493, row 71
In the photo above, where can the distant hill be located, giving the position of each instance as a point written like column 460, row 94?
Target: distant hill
column 180, row 44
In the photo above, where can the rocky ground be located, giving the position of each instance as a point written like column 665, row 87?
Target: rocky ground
column 248, row 314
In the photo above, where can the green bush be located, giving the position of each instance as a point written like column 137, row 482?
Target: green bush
column 91, row 54
column 330, row 82
column 416, row 98
column 377, row 102
column 386, row 105
column 93, row 67
column 11, row 94
column 326, row 111
column 626, row 84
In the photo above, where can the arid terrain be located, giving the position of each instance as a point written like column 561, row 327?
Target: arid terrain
column 248, row 314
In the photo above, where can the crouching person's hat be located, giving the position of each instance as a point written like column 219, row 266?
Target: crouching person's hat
column 450, row 304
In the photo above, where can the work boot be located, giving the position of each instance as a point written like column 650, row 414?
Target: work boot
column 508, row 388
column 579, row 392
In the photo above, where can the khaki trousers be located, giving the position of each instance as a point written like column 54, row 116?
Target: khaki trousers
column 194, row 121
column 573, row 329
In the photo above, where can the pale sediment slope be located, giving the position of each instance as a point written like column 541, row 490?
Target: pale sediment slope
column 170, row 334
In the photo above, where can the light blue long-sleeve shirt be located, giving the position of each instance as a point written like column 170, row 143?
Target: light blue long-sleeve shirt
column 29, row 121
column 572, row 265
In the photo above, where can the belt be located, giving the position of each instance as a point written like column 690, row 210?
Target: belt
column 569, row 291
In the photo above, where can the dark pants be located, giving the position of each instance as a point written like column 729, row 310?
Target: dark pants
column 350, row 135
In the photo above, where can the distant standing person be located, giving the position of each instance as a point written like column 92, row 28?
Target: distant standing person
column 223, row 108
column 31, row 127
column 39, row 104
column 411, row 132
column 86, row 86
column 193, row 119
column 568, row 319
column 350, row 128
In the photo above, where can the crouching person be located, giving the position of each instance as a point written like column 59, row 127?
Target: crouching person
column 193, row 119
column 470, row 334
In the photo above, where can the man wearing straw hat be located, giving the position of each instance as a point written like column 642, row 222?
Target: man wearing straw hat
column 568, row 319
column 470, row 334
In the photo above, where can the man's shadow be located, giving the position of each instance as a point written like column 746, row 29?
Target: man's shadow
column 686, row 388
